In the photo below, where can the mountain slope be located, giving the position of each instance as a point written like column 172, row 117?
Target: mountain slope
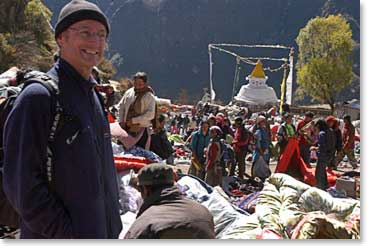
column 169, row 38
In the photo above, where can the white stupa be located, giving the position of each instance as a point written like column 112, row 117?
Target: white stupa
column 257, row 92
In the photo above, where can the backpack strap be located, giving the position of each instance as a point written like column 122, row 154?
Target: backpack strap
column 101, row 101
column 51, row 84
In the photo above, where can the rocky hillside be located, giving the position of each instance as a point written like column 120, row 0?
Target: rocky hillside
column 169, row 38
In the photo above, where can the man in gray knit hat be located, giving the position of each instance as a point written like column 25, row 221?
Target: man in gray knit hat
column 166, row 213
column 78, row 198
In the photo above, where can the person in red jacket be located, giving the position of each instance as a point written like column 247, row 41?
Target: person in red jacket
column 348, row 134
column 213, row 168
column 240, row 144
column 303, row 141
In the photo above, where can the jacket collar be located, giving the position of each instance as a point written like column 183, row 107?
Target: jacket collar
column 162, row 196
column 74, row 75
column 201, row 133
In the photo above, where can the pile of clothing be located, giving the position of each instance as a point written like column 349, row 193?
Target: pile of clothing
column 133, row 158
column 284, row 209
column 289, row 209
column 236, row 187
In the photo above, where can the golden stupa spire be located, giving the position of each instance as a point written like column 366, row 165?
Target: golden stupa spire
column 258, row 71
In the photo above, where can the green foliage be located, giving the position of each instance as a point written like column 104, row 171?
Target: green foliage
column 37, row 19
column 325, row 62
column 30, row 44
column 107, row 68
column 7, row 53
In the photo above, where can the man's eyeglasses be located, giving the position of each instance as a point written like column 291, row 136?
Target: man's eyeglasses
column 86, row 34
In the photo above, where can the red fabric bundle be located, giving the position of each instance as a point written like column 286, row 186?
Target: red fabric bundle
column 292, row 160
column 123, row 163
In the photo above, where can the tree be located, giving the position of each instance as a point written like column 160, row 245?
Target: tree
column 27, row 42
column 7, row 53
column 183, row 97
column 324, row 65
column 37, row 19
column 108, row 69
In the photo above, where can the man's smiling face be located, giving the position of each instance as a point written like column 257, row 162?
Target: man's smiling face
column 83, row 44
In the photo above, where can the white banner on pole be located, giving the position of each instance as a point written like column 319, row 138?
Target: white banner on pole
column 289, row 82
column 212, row 92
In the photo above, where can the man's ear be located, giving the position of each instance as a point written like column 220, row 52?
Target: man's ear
column 58, row 40
column 61, row 38
column 148, row 190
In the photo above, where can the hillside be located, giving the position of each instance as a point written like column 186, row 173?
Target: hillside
column 169, row 38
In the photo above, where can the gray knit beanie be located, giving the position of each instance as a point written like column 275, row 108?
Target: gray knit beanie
column 78, row 10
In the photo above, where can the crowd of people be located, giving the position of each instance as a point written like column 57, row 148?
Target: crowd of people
column 261, row 137
column 58, row 166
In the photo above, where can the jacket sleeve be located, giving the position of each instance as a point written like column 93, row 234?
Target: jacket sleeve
column 121, row 109
column 166, row 143
column 322, row 142
column 148, row 115
column 243, row 137
column 212, row 153
column 25, row 152
column 281, row 133
column 194, row 143
column 258, row 138
column 350, row 137
column 300, row 125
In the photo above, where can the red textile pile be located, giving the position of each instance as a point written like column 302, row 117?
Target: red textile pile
column 291, row 160
column 123, row 163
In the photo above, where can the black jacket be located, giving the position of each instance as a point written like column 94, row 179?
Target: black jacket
column 168, row 214
column 160, row 145
column 83, row 202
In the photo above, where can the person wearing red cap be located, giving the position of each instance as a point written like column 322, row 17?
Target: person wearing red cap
column 348, row 135
column 72, row 193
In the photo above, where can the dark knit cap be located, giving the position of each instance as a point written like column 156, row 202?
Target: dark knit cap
column 78, row 10
column 156, row 174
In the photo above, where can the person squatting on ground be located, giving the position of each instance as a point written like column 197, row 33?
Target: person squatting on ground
column 166, row 213
column 240, row 146
column 199, row 141
column 348, row 135
column 159, row 141
column 81, row 199
column 213, row 166
column 137, row 110
column 304, row 142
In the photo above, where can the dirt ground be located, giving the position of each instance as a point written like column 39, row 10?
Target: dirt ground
column 184, row 166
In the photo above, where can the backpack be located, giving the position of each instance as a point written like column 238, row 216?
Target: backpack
column 8, row 215
column 227, row 153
